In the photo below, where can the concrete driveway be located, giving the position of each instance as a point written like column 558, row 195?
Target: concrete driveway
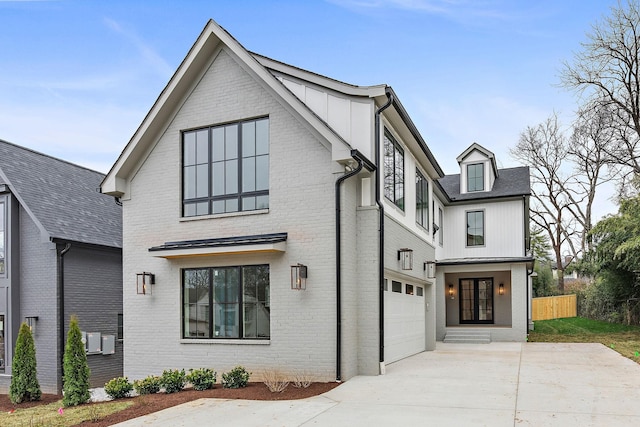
column 497, row 384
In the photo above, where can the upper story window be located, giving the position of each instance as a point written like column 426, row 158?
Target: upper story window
column 2, row 238
column 422, row 200
column 475, row 177
column 226, row 168
column 393, row 170
column 441, row 224
column 475, row 228
column 226, row 302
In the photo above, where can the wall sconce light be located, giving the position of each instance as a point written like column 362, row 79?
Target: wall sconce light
column 405, row 255
column 143, row 282
column 501, row 289
column 450, row 290
column 299, row 277
column 430, row 268
column 31, row 323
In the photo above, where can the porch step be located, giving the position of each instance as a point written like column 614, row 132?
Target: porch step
column 467, row 337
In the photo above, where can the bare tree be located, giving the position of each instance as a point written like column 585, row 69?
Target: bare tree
column 592, row 134
column 607, row 72
column 543, row 148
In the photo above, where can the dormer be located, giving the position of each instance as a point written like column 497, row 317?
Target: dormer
column 478, row 169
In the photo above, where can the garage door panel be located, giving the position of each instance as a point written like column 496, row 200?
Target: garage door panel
column 404, row 324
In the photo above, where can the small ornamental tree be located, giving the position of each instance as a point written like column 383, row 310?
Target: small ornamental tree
column 24, row 382
column 75, row 380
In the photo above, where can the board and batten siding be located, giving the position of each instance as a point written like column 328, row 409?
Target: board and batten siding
column 503, row 232
column 350, row 117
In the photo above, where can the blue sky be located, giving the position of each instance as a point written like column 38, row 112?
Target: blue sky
column 78, row 77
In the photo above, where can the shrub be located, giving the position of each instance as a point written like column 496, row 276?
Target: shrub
column 236, row 378
column 118, row 388
column 149, row 385
column 275, row 381
column 173, row 380
column 302, row 379
column 201, row 379
column 75, row 380
column 24, row 382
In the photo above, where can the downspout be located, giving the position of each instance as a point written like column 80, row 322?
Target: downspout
column 357, row 157
column 376, row 132
column 61, row 253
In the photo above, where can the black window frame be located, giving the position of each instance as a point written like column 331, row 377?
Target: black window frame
column 475, row 178
column 243, row 199
column 241, row 303
column 472, row 238
column 394, row 189
column 441, row 225
column 422, row 200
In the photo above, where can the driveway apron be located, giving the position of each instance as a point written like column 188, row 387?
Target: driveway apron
column 497, row 384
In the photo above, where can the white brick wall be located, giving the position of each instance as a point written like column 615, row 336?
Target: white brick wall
column 302, row 178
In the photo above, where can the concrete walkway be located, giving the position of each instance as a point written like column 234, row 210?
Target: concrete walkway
column 498, row 384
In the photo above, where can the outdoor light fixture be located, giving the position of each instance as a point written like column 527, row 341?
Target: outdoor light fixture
column 31, row 323
column 501, row 289
column 299, row 277
column 451, row 290
column 405, row 255
column 430, row 268
column 144, row 281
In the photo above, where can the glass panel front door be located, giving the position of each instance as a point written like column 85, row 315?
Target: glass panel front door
column 476, row 301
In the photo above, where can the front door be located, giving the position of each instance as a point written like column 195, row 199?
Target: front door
column 476, row 301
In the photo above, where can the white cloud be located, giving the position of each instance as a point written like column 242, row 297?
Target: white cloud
column 146, row 51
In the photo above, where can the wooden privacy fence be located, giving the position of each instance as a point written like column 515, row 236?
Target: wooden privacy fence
column 545, row 308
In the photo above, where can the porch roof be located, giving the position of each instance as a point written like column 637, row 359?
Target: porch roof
column 489, row 260
column 274, row 242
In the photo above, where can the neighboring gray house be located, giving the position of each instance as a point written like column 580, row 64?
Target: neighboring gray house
column 61, row 254
column 279, row 219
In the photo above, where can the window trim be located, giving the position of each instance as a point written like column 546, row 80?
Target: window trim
column 469, row 190
column 441, row 225
column 484, row 228
column 240, row 194
column 397, row 148
column 210, row 313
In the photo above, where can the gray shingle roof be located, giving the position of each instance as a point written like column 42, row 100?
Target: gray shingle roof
column 510, row 182
column 64, row 198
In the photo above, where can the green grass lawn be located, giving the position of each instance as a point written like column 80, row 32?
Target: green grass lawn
column 621, row 338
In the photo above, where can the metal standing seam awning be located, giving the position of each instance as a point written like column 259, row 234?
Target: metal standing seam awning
column 261, row 243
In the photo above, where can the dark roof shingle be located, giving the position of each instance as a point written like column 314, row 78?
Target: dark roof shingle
column 510, row 182
column 64, row 198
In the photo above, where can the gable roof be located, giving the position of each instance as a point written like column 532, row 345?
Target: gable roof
column 487, row 153
column 212, row 38
column 511, row 182
column 63, row 199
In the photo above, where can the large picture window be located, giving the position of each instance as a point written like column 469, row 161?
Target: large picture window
column 226, row 302
column 475, row 228
column 422, row 200
column 475, row 177
column 226, row 168
column 393, row 170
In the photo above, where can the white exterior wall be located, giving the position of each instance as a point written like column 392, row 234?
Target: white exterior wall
column 302, row 178
column 503, row 233
column 350, row 117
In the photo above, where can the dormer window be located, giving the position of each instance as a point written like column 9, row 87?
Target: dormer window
column 475, row 177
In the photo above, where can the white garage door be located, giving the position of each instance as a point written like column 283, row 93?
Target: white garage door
column 404, row 320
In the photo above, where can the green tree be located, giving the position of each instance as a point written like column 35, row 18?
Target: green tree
column 75, row 381
column 24, row 381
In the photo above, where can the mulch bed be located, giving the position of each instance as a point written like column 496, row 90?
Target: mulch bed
column 143, row 405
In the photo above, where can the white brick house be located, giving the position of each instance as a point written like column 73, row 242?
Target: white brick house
column 246, row 168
